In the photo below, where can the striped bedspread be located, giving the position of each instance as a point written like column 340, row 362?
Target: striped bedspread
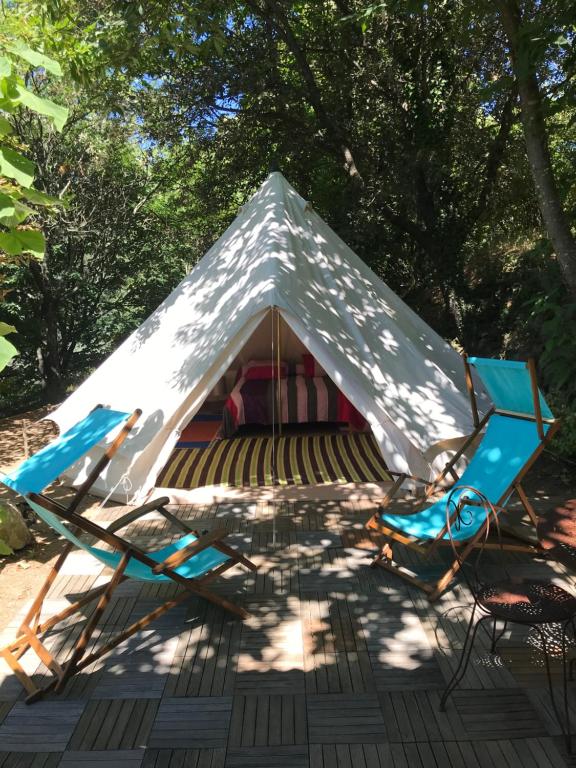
column 302, row 400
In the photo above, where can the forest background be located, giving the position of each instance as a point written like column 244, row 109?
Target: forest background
column 437, row 139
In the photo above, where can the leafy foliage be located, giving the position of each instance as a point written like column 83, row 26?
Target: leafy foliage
column 399, row 120
column 16, row 171
column 7, row 350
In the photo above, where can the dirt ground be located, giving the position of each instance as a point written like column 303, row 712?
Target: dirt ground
column 22, row 573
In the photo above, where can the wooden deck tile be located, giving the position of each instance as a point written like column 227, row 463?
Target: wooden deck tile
column 334, row 718
column 5, row 707
column 184, row 758
column 271, row 649
column 350, row 756
column 526, row 664
column 29, row 759
column 261, row 721
column 102, row 759
column 138, row 668
column 71, row 586
column 268, row 543
column 205, row 658
column 484, row 670
column 338, row 665
column 531, row 753
column 198, row 723
column 171, row 620
column 268, row 757
column 120, row 725
column 340, row 672
column 276, row 575
column 45, row 727
column 256, row 676
column 82, row 685
column 408, row 669
column 414, row 716
column 542, row 703
column 336, row 659
column 497, row 714
column 330, row 623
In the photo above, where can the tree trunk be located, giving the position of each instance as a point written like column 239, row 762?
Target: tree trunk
column 49, row 357
column 537, row 149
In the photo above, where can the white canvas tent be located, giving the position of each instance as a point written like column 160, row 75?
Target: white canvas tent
column 406, row 381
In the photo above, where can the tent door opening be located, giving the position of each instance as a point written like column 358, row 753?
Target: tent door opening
column 274, row 419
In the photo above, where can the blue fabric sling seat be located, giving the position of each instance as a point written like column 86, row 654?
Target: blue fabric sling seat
column 190, row 562
column 41, row 469
column 517, row 428
column 506, row 447
column 193, row 568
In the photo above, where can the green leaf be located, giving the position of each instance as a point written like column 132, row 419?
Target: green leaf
column 10, row 243
column 5, row 329
column 7, row 352
column 5, row 549
column 7, row 206
column 15, row 166
column 6, row 105
column 22, row 211
column 5, row 67
column 46, row 107
column 41, row 198
column 5, row 127
column 35, row 58
column 32, row 241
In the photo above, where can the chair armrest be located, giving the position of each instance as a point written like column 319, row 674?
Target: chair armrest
column 129, row 517
column 179, row 557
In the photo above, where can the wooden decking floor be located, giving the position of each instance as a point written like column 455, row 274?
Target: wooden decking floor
column 339, row 665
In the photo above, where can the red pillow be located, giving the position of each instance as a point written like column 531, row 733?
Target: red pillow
column 311, row 367
column 263, row 370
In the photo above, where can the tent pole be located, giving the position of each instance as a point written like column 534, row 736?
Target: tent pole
column 274, row 402
column 278, row 358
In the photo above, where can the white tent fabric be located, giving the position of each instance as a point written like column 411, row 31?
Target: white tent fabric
column 406, row 380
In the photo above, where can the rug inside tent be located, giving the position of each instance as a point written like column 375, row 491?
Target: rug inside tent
column 299, row 460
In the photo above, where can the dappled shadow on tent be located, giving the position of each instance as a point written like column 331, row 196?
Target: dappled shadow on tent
column 327, row 289
column 278, row 253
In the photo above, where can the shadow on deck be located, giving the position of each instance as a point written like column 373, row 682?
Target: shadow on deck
column 338, row 665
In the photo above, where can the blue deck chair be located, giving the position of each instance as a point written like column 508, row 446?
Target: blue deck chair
column 518, row 427
column 191, row 562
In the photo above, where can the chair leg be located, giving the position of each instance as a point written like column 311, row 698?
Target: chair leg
column 88, row 630
column 86, row 661
column 496, row 636
column 385, row 553
column 35, row 610
column 460, row 670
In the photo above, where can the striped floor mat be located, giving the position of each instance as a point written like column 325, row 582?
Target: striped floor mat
column 300, row 460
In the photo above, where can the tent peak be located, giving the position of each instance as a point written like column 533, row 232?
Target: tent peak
column 274, row 166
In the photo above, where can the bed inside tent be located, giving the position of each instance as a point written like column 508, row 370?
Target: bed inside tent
column 275, row 424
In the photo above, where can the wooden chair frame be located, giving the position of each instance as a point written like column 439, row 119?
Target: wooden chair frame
column 385, row 557
column 32, row 628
